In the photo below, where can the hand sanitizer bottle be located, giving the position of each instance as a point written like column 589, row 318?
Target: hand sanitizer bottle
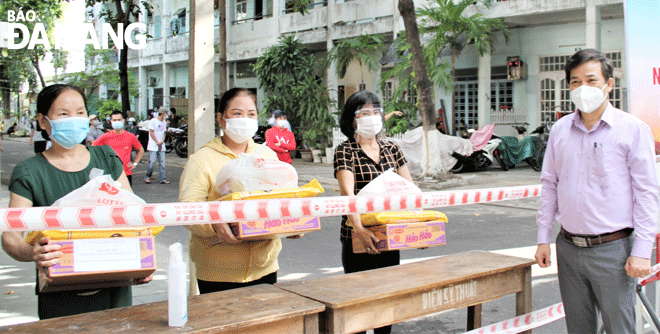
column 177, row 301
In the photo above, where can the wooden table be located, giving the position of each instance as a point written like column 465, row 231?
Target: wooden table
column 375, row 298
column 258, row 309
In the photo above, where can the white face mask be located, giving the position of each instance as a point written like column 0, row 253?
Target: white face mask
column 369, row 126
column 588, row 98
column 240, row 129
column 283, row 123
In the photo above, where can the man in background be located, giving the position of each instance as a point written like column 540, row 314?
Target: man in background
column 280, row 139
column 156, row 147
column 123, row 142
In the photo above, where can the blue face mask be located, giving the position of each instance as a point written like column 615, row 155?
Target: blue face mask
column 117, row 125
column 69, row 131
column 130, row 122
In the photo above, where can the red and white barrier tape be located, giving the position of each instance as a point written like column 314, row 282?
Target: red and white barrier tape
column 188, row 213
column 524, row 322
column 647, row 279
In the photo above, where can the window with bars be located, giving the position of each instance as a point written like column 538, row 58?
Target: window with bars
column 388, row 88
column 557, row 63
column 466, row 104
column 501, row 95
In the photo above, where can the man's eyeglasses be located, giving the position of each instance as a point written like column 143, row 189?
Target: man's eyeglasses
column 369, row 112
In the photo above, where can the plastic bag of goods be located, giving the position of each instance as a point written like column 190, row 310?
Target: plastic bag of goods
column 311, row 189
column 392, row 183
column 100, row 190
column 251, row 172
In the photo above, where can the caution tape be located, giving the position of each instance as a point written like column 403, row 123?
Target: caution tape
column 524, row 322
column 189, row 213
column 651, row 276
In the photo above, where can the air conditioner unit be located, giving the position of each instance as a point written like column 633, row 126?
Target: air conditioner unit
column 153, row 82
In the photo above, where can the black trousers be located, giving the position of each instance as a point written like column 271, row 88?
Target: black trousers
column 363, row 261
column 208, row 287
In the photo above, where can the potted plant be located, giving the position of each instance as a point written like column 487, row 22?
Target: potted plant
column 318, row 136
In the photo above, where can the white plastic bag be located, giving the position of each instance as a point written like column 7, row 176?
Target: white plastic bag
column 389, row 183
column 99, row 190
column 250, row 172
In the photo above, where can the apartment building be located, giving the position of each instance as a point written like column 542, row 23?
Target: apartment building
column 543, row 34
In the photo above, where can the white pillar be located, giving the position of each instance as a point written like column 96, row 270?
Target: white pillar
column 201, row 116
column 484, row 90
column 331, row 72
column 165, row 22
column 593, row 25
column 142, row 104
column 166, row 85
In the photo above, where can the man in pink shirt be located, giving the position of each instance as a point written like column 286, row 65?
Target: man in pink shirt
column 280, row 139
column 599, row 184
column 123, row 142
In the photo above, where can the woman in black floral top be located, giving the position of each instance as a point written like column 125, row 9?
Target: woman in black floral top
column 359, row 160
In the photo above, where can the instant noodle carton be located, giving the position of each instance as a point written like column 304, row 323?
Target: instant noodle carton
column 405, row 235
column 275, row 228
column 100, row 263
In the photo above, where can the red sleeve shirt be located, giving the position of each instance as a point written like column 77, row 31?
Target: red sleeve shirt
column 286, row 140
column 123, row 144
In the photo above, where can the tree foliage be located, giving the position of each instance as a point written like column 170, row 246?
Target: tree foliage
column 124, row 12
column 450, row 28
column 19, row 66
column 439, row 72
column 101, row 69
column 293, row 81
column 365, row 49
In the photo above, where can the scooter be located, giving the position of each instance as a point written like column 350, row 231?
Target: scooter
column 482, row 158
column 181, row 142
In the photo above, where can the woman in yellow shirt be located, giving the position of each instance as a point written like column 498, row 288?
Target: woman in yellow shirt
column 223, row 262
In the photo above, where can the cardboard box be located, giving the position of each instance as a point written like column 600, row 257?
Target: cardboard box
column 405, row 235
column 100, row 263
column 275, row 228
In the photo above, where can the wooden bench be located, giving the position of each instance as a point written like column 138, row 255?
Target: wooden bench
column 261, row 309
column 370, row 299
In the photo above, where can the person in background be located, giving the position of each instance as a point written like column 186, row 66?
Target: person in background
column 280, row 139
column 132, row 127
column 123, row 142
column 174, row 118
column 154, row 112
column 393, row 113
column 107, row 124
column 272, row 121
column 43, row 179
column 156, row 148
column 222, row 261
column 94, row 130
column 357, row 161
column 38, row 138
column 599, row 183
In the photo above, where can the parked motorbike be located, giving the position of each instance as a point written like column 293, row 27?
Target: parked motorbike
column 480, row 159
column 516, row 151
column 543, row 132
column 181, row 142
column 171, row 136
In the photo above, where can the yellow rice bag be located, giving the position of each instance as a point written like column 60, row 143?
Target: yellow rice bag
column 311, row 189
column 33, row 236
column 381, row 218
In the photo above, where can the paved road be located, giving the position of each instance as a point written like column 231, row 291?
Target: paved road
column 507, row 227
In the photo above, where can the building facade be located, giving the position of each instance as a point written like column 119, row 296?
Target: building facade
column 543, row 34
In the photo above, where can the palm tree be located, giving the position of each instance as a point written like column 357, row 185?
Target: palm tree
column 364, row 48
column 453, row 30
